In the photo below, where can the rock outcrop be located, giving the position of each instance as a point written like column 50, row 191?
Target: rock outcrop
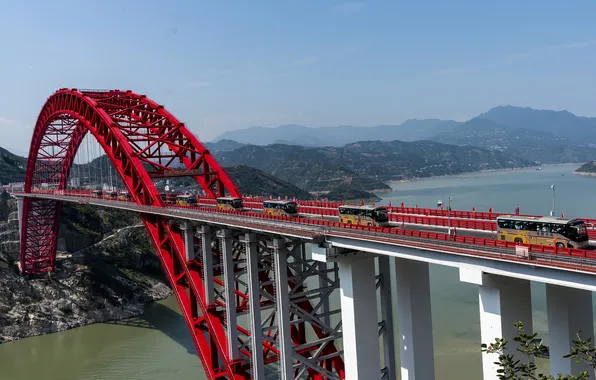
column 112, row 278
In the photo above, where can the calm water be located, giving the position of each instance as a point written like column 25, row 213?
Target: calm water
column 157, row 345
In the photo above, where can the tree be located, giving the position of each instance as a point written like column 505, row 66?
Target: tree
column 516, row 369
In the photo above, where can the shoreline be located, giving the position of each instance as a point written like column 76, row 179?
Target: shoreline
column 585, row 174
column 414, row 179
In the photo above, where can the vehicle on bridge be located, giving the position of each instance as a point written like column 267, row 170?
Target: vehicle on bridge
column 551, row 231
column 280, row 208
column 111, row 195
column 366, row 215
column 124, row 196
column 186, row 200
column 230, row 203
column 97, row 194
column 168, row 198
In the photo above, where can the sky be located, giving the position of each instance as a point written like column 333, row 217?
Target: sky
column 222, row 66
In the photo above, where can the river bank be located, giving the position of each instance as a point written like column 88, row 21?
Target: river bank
column 112, row 279
column 413, row 179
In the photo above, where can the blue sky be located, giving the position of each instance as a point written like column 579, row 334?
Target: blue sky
column 227, row 65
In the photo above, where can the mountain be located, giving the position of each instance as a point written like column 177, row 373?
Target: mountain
column 223, row 145
column 252, row 181
column 365, row 165
column 531, row 145
column 12, row 167
column 588, row 168
column 292, row 134
column 559, row 123
column 307, row 168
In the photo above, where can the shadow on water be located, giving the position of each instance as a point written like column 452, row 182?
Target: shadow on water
column 162, row 318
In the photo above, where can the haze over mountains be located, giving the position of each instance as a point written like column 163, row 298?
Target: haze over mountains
column 544, row 136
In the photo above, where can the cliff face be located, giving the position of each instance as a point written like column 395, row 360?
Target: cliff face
column 113, row 278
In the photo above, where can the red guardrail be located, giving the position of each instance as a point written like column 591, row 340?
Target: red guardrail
column 432, row 217
column 384, row 230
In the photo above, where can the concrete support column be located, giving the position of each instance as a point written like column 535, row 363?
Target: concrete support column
column 414, row 320
column 254, row 299
column 189, row 240
column 282, row 295
column 20, row 201
column 385, row 263
column 358, row 295
column 323, row 283
column 568, row 311
column 206, row 233
column 502, row 302
column 230, row 296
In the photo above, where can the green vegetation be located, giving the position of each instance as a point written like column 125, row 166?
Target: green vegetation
column 84, row 225
column 527, row 144
column 254, row 182
column 12, row 167
column 589, row 167
column 365, row 165
column 348, row 194
column 513, row 368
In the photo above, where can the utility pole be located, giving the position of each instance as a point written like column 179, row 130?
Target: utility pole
column 449, row 217
column 552, row 213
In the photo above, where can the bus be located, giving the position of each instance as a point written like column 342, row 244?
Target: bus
column 366, row 215
column 97, row 194
column 548, row 230
column 229, row 203
column 124, row 196
column 186, row 200
column 111, row 195
column 279, row 207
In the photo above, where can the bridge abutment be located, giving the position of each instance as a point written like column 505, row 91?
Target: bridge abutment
column 569, row 311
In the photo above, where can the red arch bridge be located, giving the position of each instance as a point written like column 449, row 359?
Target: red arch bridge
column 255, row 289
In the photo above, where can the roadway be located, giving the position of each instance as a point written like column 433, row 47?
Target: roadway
column 476, row 233
column 313, row 230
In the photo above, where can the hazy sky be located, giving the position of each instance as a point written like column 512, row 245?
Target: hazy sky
column 221, row 65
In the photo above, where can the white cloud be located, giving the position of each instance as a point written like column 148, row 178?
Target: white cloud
column 5, row 121
column 350, row 7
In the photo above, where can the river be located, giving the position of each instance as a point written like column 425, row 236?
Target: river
column 157, row 345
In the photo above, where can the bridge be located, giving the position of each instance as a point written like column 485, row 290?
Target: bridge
column 254, row 288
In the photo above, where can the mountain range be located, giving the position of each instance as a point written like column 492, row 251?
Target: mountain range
column 543, row 136
column 365, row 165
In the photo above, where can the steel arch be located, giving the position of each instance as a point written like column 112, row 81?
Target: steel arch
column 136, row 134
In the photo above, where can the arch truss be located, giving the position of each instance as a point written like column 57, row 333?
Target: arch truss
column 143, row 141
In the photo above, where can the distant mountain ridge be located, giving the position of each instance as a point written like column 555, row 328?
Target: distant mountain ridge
column 559, row 123
column 531, row 145
column 293, row 134
column 365, row 165
column 543, row 136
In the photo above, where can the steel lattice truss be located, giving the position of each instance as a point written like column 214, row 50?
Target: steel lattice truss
column 315, row 355
column 144, row 141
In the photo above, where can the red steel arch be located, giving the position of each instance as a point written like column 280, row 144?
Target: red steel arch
column 143, row 141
